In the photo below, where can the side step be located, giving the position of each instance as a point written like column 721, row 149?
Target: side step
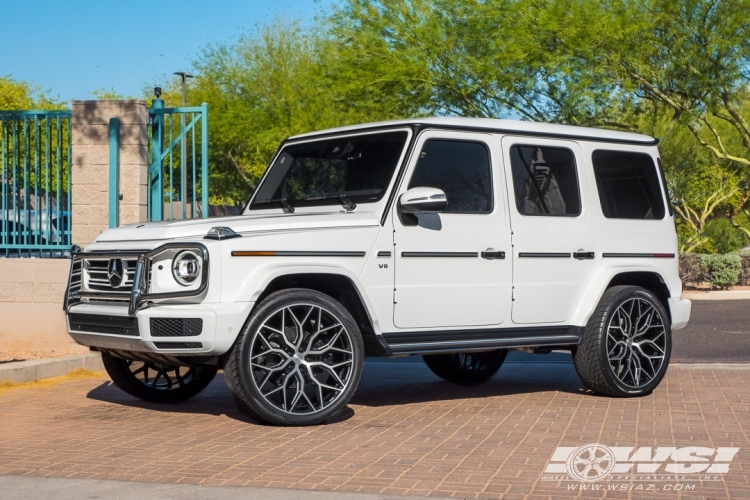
column 432, row 342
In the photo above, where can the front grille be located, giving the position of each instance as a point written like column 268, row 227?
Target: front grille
column 176, row 327
column 178, row 345
column 102, row 323
column 97, row 275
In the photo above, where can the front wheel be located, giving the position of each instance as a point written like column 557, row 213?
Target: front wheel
column 298, row 361
column 627, row 344
column 158, row 382
column 466, row 368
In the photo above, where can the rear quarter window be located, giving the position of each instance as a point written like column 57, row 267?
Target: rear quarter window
column 628, row 185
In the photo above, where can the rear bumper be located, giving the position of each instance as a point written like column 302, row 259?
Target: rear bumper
column 680, row 311
column 221, row 323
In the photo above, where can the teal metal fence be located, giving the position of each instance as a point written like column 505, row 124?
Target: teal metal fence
column 178, row 162
column 35, row 157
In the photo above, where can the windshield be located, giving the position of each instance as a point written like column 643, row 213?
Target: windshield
column 321, row 172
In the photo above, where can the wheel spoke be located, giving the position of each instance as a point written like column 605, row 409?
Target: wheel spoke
column 274, row 369
column 636, row 342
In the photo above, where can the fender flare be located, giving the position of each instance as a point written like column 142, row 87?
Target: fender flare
column 260, row 278
column 598, row 285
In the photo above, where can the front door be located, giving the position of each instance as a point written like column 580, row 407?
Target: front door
column 443, row 275
column 554, row 237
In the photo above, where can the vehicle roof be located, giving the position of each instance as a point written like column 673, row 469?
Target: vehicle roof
column 495, row 125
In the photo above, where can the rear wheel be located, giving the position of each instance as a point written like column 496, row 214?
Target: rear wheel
column 158, row 382
column 627, row 344
column 466, row 368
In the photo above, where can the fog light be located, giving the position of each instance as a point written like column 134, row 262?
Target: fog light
column 186, row 267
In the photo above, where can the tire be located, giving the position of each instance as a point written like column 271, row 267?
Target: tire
column 627, row 344
column 157, row 382
column 298, row 360
column 466, row 368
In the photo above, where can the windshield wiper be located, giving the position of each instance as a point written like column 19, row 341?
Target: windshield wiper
column 285, row 205
column 348, row 204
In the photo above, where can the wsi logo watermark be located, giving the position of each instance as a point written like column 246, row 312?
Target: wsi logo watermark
column 598, row 462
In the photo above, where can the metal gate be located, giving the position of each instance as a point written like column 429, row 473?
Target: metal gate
column 35, row 183
column 178, row 162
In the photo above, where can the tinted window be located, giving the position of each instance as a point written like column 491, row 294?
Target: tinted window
column 545, row 181
column 628, row 185
column 461, row 169
column 316, row 172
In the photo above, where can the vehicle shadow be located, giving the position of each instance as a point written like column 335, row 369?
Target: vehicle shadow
column 384, row 383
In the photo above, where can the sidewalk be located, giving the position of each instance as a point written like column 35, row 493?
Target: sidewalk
column 405, row 433
column 52, row 488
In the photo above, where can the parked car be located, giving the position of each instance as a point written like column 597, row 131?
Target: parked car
column 452, row 238
column 34, row 227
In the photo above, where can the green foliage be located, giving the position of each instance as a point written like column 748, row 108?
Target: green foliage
column 20, row 95
column 723, row 269
column 724, row 236
column 265, row 87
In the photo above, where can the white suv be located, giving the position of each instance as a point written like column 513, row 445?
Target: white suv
column 453, row 238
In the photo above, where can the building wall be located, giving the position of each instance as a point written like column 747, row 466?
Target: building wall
column 31, row 297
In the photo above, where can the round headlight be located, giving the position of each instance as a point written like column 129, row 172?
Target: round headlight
column 186, row 267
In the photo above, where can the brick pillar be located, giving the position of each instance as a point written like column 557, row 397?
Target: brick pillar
column 90, row 176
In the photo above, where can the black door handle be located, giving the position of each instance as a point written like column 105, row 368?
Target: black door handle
column 583, row 255
column 493, row 255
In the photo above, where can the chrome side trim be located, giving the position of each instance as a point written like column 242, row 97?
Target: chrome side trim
column 544, row 255
column 641, row 255
column 440, row 254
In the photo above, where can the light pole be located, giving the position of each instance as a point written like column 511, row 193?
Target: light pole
column 183, row 150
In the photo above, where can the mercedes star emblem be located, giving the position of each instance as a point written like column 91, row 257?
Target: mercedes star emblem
column 116, row 273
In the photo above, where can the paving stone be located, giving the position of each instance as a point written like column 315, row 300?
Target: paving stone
column 408, row 433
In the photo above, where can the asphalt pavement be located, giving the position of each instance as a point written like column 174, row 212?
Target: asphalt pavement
column 718, row 332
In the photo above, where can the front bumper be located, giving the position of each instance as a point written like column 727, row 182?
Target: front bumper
column 221, row 323
column 679, row 309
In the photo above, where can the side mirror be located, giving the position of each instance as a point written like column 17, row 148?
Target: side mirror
column 423, row 200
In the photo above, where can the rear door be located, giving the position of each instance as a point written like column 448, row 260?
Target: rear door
column 554, row 234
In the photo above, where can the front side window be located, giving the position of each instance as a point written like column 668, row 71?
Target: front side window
column 327, row 171
column 545, row 181
column 628, row 185
column 461, row 169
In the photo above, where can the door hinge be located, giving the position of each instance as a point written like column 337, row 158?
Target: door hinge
column 513, row 293
column 395, row 300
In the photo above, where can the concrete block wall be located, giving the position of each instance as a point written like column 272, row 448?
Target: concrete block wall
column 90, row 144
column 31, row 297
column 32, row 290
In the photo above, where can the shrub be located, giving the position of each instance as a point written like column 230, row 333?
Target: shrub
column 745, row 273
column 691, row 271
column 723, row 269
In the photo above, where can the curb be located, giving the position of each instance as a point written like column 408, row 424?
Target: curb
column 718, row 295
column 27, row 371
column 710, row 366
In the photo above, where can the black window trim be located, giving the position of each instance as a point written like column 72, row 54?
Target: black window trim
column 666, row 205
column 492, row 177
column 575, row 170
column 663, row 178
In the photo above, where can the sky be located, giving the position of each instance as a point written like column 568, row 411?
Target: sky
column 74, row 47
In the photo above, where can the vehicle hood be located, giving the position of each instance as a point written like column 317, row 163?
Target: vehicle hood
column 244, row 224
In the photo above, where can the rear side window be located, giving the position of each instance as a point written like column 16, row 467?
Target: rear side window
column 628, row 185
column 461, row 169
column 545, row 181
